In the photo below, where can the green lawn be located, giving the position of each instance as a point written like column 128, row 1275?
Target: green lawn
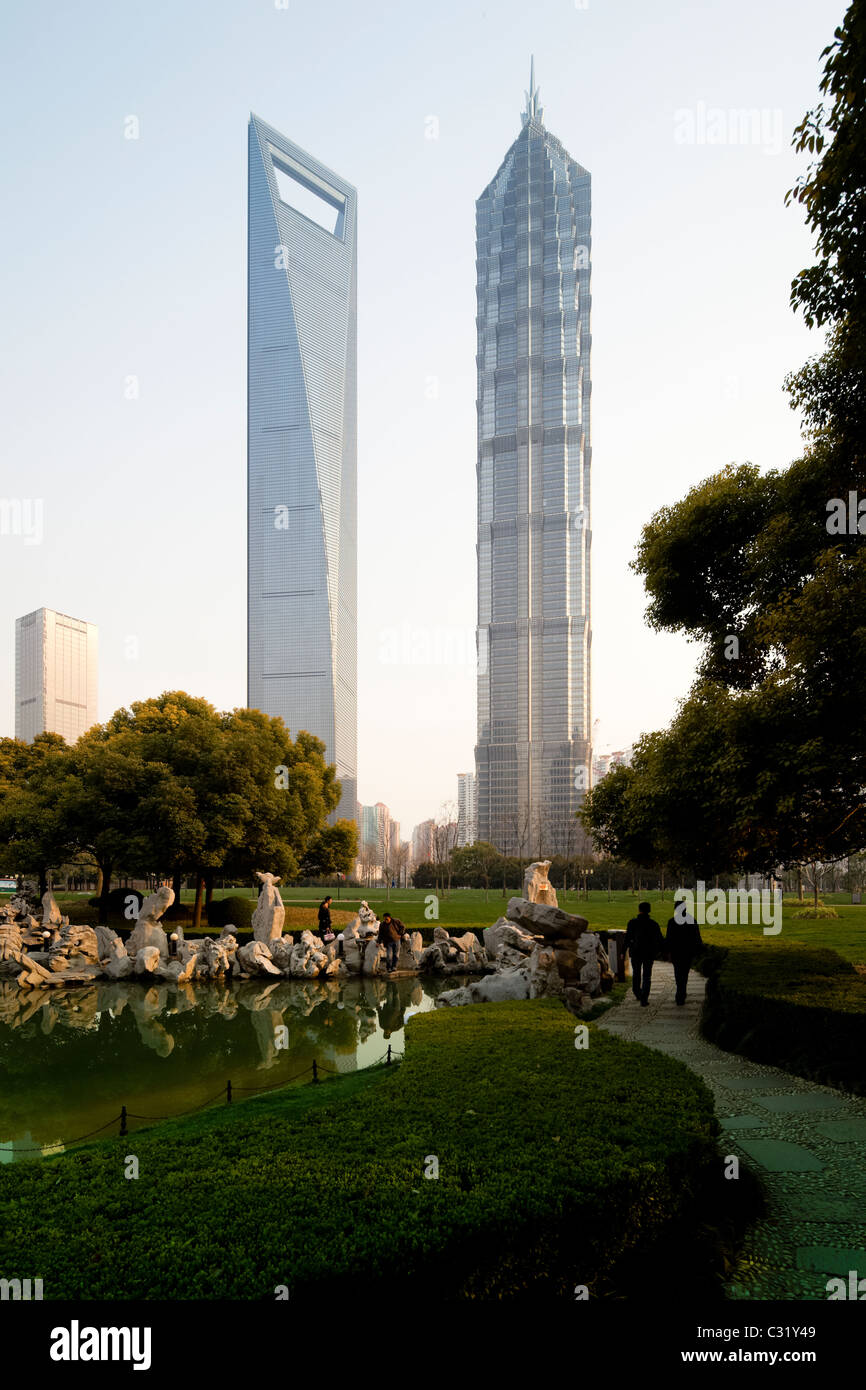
column 539, row 1186
column 468, row 907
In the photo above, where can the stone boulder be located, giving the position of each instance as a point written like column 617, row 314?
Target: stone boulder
column 147, row 960
column 116, row 962
column 51, row 914
column 493, row 989
column 148, row 930
column 543, row 920
column 374, row 955
column 543, row 975
column 281, row 952
column 255, row 959
column 431, row 957
column 11, row 948
column 504, row 932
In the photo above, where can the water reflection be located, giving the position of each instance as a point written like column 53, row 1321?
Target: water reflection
column 70, row 1058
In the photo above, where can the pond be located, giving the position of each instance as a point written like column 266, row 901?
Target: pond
column 69, row 1059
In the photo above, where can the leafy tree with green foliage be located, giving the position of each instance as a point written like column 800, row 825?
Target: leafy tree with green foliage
column 756, row 567
column 34, row 833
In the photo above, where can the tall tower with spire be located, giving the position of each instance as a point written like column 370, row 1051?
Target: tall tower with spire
column 533, row 470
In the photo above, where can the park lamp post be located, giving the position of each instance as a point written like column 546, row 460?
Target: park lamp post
column 173, row 940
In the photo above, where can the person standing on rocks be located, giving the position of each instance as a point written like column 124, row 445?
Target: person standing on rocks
column 644, row 943
column 391, row 932
column 683, row 942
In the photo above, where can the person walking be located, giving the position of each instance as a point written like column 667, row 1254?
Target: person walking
column 644, row 943
column 683, row 942
column 391, row 931
column 325, row 919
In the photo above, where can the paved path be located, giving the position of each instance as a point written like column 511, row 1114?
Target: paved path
column 807, row 1143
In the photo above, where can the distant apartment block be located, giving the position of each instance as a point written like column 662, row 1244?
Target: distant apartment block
column 422, row 843
column 466, row 820
column 55, row 675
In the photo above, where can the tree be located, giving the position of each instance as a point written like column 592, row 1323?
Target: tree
column 332, row 851
column 35, row 832
column 479, row 860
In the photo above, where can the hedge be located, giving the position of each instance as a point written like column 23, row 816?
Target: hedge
column 556, row 1167
column 231, row 912
column 799, row 1007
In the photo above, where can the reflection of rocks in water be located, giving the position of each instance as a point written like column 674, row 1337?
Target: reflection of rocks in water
column 416, row 998
column 146, row 1005
column 255, row 996
column 265, row 1023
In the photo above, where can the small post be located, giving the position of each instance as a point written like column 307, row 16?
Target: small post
column 388, row 1058
column 315, row 1072
column 228, row 1093
column 122, row 1120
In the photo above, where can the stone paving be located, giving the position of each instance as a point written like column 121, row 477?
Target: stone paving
column 806, row 1142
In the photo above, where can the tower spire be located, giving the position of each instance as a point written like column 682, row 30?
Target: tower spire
column 534, row 110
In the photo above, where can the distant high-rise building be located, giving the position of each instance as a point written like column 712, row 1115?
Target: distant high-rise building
column 302, row 448
column 422, row 843
column 533, row 285
column 55, row 675
column 466, row 834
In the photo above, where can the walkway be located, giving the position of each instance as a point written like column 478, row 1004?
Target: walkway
column 806, row 1142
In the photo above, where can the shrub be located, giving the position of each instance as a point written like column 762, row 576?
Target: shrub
column 117, row 900
column 815, row 914
column 231, row 912
column 799, row 1007
column 556, row 1165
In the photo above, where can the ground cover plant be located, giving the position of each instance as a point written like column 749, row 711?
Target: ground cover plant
column 797, row 1006
column 557, row 1166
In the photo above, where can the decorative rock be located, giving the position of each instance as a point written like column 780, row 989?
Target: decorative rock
column 147, row 960
column 212, row 958
column 544, row 977
column 544, row 920
column 281, row 953
column 509, row 984
column 270, row 914
column 374, row 954
column 536, row 886
column 116, row 963
column 255, row 959
column 147, row 930
column 51, row 914
column 431, row 958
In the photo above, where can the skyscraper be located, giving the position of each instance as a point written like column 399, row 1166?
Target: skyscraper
column 302, row 449
column 533, row 471
column 55, row 675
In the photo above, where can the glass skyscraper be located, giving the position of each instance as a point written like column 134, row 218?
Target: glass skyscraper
column 302, row 448
column 533, row 469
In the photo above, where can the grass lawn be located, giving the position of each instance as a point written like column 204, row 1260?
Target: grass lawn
column 540, row 1185
column 468, row 907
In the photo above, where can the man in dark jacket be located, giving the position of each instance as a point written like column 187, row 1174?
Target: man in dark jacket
column 391, row 931
column 683, row 941
column 644, row 943
column 324, row 916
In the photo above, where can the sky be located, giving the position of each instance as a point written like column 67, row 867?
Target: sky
column 123, row 348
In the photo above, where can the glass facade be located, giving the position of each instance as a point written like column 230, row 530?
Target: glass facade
column 302, row 448
column 533, row 472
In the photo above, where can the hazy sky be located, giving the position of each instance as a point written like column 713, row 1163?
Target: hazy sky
column 126, row 258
